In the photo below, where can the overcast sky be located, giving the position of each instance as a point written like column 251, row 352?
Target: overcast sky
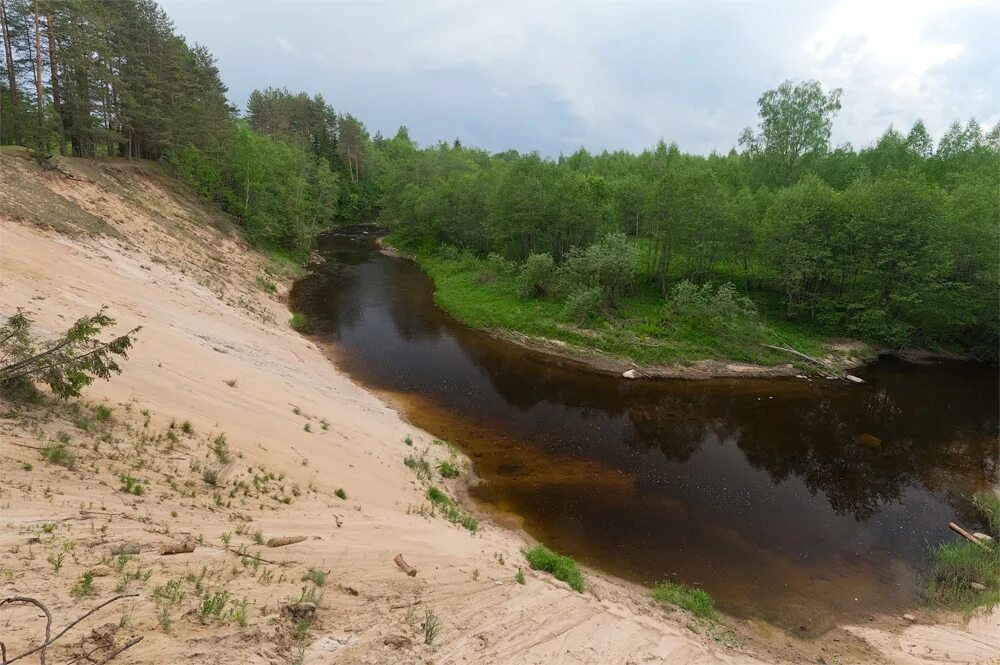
column 554, row 76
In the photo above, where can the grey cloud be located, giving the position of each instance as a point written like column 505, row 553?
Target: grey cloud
column 555, row 76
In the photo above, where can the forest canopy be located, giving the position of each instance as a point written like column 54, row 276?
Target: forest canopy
column 895, row 242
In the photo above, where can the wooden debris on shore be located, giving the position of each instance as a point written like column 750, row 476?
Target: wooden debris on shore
column 185, row 547
column 824, row 369
column 968, row 536
column 405, row 567
column 284, row 540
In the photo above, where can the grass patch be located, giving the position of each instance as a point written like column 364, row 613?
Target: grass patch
column 419, row 465
column 316, row 576
column 221, row 448
column 341, row 494
column 561, row 567
column 988, row 505
column 957, row 571
column 448, row 469
column 58, row 454
column 131, row 485
column 695, row 601
column 438, row 497
column 642, row 329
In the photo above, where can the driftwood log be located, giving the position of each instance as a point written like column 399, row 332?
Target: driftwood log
column 405, row 567
column 185, row 547
column 968, row 536
column 284, row 540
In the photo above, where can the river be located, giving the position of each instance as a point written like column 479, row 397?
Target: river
column 759, row 491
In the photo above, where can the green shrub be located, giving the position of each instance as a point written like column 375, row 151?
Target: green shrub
column 608, row 265
column 341, row 493
column 721, row 311
column 583, row 304
column 535, row 277
column 695, row 601
column 300, row 322
column 561, row 567
column 448, row 469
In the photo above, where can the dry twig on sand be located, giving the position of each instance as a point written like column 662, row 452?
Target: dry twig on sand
column 48, row 627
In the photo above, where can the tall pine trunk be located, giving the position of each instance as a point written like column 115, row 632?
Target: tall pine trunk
column 11, row 78
column 41, row 147
column 56, row 92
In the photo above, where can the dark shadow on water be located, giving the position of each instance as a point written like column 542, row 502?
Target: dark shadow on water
column 771, row 494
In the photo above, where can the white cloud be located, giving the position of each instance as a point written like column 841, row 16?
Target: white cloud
column 889, row 57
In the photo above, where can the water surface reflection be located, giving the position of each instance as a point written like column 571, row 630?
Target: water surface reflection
column 761, row 491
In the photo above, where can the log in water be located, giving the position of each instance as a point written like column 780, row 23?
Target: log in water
column 763, row 492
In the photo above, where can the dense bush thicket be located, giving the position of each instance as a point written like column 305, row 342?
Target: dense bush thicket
column 896, row 243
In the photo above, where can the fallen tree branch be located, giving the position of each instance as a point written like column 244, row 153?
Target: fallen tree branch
column 128, row 645
column 41, row 647
column 48, row 624
column 242, row 554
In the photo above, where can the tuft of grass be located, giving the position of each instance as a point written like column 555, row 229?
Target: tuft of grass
column 561, row 567
column 266, row 284
column 448, row 469
column 84, row 586
column 988, row 505
column 187, row 427
column 221, row 448
column 102, row 413
column 58, row 454
column 519, row 578
column 431, row 626
column 307, row 428
column 56, row 560
column 419, row 465
column 316, row 576
column 955, row 567
column 213, row 605
column 210, row 475
column 299, row 322
column 695, row 601
column 131, row 485
column 341, row 493
column 438, row 497
column 408, row 440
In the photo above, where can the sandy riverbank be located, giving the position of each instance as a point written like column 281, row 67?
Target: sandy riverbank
column 296, row 430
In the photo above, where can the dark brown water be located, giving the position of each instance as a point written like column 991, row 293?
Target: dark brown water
column 756, row 490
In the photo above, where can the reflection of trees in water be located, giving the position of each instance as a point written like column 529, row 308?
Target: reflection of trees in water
column 329, row 298
column 936, row 423
column 810, row 433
